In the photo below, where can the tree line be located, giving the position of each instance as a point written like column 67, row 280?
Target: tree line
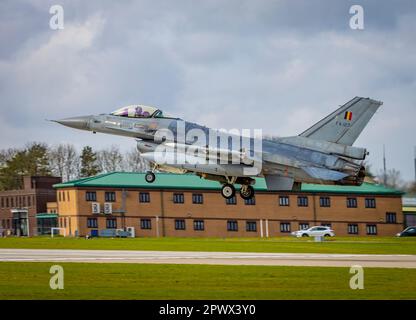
column 64, row 160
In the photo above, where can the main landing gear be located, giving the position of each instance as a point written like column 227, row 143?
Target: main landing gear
column 228, row 191
column 247, row 192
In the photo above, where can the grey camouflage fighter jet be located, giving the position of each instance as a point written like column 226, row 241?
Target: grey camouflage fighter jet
column 322, row 154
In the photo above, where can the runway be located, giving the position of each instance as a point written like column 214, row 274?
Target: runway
column 211, row 258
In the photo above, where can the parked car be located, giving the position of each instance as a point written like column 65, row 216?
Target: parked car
column 315, row 232
column 408, row 232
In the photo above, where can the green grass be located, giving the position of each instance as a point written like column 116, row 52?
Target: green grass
column 30, row 280
column 364, row 245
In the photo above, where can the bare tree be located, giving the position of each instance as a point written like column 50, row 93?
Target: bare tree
column 134, row 162
column 64, row 161
column 110, row 159
column 392, row 178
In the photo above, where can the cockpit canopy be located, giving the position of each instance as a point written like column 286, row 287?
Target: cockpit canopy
column 139, row 111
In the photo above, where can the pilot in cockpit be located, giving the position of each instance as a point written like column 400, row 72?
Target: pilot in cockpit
column 140, row 111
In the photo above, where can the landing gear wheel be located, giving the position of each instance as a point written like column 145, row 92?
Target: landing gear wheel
column 247, row 192
column 150, row 177
column 228, row 191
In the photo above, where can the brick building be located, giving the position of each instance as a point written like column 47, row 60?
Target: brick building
column 185, row 205
column 19, row 208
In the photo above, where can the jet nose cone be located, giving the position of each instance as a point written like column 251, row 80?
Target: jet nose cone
column 76, row 122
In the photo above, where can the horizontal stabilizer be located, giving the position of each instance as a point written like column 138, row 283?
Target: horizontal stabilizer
column 324, row 174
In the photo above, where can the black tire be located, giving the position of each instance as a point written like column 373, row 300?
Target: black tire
column 150, row 177
column 248, row 193
column 327, row 235
column 228, row 191
column 305, row 235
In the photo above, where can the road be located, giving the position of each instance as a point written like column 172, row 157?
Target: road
column 220, row 258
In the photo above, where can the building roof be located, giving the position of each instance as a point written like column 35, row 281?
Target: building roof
column 193, row 182
column 46, row 215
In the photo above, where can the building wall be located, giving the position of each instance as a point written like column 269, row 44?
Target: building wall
column 36, row 193
column 74, row 211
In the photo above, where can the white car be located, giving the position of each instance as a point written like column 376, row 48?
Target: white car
column 315, row 232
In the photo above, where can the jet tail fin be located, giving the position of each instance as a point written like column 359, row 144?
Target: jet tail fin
column 345, row 124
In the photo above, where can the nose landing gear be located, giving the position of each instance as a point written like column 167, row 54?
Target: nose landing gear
column 150, row 177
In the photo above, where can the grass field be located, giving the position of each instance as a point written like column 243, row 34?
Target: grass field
column 364, row 245
column 139, row 281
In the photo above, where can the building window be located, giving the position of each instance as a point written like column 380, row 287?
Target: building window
column 283, row 201
column 145, row 224
column 250, row 202
column 67, row 196
column 371, row 229
column 303, row 226
column 232, row 200
column 178, row 198
column 370, row 202
column 351, row 202
column 8, row 223
column 63, row 196
column 251, row 226
column 110, row 197
column 7, row 202
column 180, row 224
column 352, row 228
column 285, row 227
column 29, row 201
column 391, row 217
column 92, row 223
column 144, row 197
column 90, row 196
column 232, row 225
column 199, row 225
column 2, row 202
column 197, row 198
column 302, row 201
column 111, row 223
column 324, row 201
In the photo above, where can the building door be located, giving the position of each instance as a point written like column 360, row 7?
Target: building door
column 409, row 220
column 20, row 223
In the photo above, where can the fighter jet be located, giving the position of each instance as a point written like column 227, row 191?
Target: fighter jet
column 322, row 154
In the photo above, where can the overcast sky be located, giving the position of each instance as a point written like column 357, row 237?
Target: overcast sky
column 276, row 65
